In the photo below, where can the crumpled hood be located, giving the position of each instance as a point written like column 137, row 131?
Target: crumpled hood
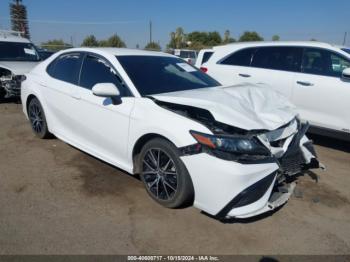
column 18, row 67
column 245, row 106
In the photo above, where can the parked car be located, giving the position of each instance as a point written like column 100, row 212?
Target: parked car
column 190, row 56
column 314, row 76
column 203, row 57
column 231, row 151
column 17, row 57
column 44, row 54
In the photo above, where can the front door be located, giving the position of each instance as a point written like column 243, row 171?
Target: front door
column 320, row 93
column 103, row 126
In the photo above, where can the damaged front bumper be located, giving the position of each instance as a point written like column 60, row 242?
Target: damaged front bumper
column 228, row 189
column 10, row 85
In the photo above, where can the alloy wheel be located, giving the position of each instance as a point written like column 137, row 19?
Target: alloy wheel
column 160, row 175
column 36, row 117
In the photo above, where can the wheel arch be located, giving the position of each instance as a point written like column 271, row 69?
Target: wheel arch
column 30, row 98
column 139, row 145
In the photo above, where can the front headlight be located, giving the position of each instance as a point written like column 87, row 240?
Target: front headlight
column 240, row 145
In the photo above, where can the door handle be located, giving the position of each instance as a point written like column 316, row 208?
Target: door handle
column 244, row 75
column 303, row 83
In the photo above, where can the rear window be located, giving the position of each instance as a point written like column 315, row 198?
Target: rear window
column 206, row 56
column 66, row 68
column 240, row 58
column 188, row 54
column 158, row 74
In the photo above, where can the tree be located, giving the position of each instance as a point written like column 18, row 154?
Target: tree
column 113, row 41
column 214, row 38
column 19, row 21
column 177, row 39
column 90, row 41
column 153, row 46
column 55, row 45
column 227, row 38
column 200, row 40
column 250, row 36
column 275, row 38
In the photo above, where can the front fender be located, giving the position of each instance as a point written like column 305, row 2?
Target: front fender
column 149, row 118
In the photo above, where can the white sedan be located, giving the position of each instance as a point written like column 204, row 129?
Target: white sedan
column 230, row 151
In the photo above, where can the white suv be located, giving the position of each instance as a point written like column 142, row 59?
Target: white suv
column 17, row 57
column 314, row 76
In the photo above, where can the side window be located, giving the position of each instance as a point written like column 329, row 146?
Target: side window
column 339, row 63
column 206, row 57
column 66, row 68
column 323, row 62
column 315, row 61
column 239, row 58
column 96, row 70
column 278, row 58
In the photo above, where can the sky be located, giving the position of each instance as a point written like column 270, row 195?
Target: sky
column 73, row 20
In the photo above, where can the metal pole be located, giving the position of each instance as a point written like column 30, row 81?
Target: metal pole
column 150, row 31
column 345, row 35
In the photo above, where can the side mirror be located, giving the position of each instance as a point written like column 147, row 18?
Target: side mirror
column 107, row 90
column 346, row 74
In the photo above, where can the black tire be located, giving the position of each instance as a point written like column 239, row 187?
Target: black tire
column 160, row 180
column 37, row 119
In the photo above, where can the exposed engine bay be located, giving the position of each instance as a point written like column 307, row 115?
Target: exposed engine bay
column 10, row 84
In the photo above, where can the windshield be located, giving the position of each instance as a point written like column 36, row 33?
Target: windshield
column 346, row 50
column 157, row 74
column 13, row 51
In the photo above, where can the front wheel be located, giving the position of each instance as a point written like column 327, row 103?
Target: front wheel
column 37, row 119
column 164, row 175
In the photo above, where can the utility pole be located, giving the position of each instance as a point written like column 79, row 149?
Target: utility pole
column 150, row 31
column 345, row 35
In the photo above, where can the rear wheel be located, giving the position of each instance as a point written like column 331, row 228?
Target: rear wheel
column 164, row 175
column 37, row 119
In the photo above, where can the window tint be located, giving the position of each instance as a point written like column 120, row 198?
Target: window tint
column 66, row 68
column 13, row 51
column 96, row 70
column 162, row 74
column 206, row 56
column 338, row 64
column 278, row 58
column 323, row 62
column 239, row 58
column 188, row 54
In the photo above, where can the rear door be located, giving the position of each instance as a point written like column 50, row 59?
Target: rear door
column 275, row 67
column 61, row 94
column 234, row 68
column 320, row 93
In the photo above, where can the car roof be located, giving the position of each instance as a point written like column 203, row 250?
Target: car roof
column 274, row 43
column 118, row 51
column 12, row 36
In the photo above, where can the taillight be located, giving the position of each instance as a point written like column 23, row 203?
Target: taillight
column 204, row 69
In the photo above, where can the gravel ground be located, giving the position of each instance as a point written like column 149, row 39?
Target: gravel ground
column 55, row 199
